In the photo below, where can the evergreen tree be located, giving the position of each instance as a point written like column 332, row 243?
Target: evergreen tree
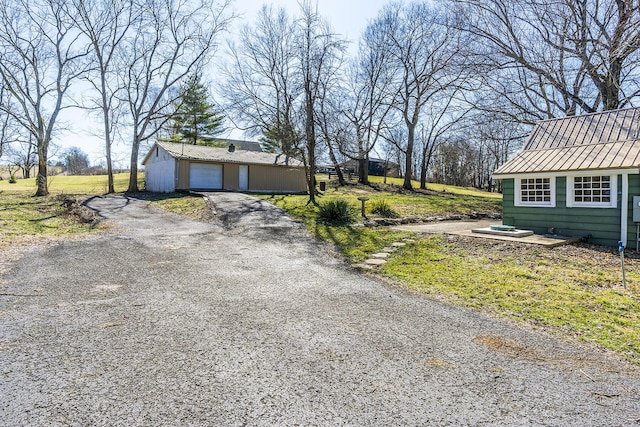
column 281, row 138
column 195, row 120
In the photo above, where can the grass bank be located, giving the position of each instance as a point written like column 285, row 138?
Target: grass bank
column 574, row 289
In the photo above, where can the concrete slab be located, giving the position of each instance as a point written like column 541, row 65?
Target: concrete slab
column 445, row 226
column 464, row 228
column 535, row 239
column 507, row 233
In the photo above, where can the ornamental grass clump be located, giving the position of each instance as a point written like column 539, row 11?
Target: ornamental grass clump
column 383, row 208
column 336, row 212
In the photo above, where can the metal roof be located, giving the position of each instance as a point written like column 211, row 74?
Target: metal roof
column 223, row 155
column 241, row 145
column 598, row 141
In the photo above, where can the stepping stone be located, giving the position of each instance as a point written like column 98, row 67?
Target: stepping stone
column 388, row 249
column 409, row 240
column 398, row 244
column 364, row 266
column 375, row 261
column 380, row 255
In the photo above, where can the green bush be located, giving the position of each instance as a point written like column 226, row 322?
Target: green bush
column 12, row 179
column 383, row 208
column 336, row 212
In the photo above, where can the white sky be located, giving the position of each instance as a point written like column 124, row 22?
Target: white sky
column 347, row 17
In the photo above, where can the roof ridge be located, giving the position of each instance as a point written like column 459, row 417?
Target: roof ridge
column 617, row 110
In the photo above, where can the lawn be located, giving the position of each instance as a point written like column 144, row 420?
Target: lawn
column 60, row 184
column 24, row 217
column 575, row 289
column 438, row 201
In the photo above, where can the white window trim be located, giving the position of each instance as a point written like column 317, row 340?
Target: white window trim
column 614, row 192
column 518, row 193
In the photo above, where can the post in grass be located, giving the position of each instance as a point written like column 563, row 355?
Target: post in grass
column 621, row 250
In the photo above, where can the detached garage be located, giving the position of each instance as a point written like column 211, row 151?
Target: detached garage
column 170, row 167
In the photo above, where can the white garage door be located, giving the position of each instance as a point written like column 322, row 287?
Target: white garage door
column 204, row 176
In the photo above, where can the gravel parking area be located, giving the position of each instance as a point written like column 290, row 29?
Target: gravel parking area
column 247, row 321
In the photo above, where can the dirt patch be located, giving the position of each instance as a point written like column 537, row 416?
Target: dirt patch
column 508, row 348
column 76, row 210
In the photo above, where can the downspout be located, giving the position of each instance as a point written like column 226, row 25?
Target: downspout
column 624, row 209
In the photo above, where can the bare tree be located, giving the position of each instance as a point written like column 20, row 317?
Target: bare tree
column 23, row 154
column 40, row 56
column 369, row 98
column 76, row 161
column 548, row 58
column 423, row 49
column 106, row 23
column 262, row 87
column 170, row 41
column 319, row 56
column 278, row 74
column 442, row 120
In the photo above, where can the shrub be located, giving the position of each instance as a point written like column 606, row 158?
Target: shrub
column 383, row 208
column 336, row 212
column 12, row 179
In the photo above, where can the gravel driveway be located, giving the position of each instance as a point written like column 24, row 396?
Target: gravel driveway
column 247, row 321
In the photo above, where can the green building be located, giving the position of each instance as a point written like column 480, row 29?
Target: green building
column 577, row 176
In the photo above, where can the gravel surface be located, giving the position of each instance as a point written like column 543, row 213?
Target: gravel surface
column 247, row 321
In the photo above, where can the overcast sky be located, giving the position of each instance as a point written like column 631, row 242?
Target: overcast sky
column 347, row 17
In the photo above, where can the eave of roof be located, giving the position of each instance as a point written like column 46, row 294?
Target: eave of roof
column 599, row 141
column 223, row 155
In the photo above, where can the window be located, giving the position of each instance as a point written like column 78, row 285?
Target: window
column 535, row 192
column 592, row 191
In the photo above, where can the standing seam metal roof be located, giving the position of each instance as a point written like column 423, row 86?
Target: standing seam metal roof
column 607, row 140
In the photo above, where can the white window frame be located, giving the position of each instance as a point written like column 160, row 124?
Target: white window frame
column 611, row 204
column 518, row 192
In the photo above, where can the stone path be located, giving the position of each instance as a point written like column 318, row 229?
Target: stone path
column 379, row 259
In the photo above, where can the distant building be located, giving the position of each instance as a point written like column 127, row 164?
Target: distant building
column 376, row 167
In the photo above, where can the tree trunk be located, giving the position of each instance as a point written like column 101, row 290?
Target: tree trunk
column 107, row 138
column 311, row 143
column 133, row 173
column 43, row 189
column 409, row 158
column 336, row 166
column 362, row 169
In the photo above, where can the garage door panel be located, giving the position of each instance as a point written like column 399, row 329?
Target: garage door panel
column 205, row 176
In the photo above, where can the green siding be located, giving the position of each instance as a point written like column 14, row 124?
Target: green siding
column 601, row 223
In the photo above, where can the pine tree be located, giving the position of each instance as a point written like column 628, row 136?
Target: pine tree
column 195, row 120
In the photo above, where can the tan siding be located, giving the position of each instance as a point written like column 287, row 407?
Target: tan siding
column 276, row 179
column 231, row 181
column 183, row 175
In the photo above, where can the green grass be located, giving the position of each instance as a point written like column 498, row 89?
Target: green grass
column 60, row 184
column 416, row 204
column 24, row 217
column 572, row 289
column 564, row 288
column 357, row 243
column 188, row 205
column 442, row 188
